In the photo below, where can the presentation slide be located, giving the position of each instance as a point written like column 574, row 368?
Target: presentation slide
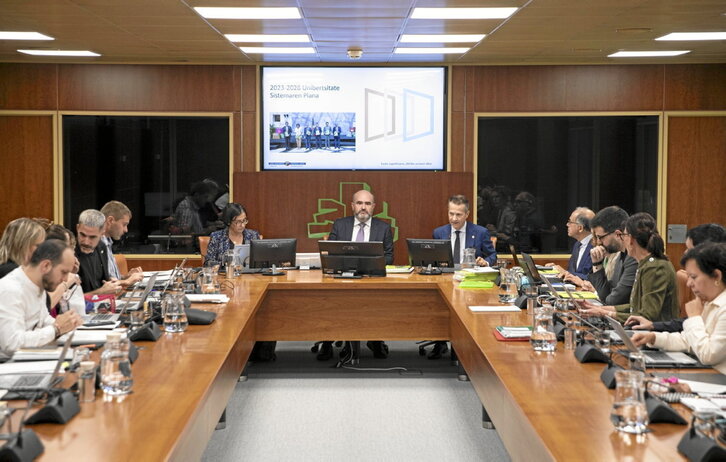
column 363, row 118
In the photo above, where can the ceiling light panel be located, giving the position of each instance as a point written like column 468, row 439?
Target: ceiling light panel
column 462, row 13
column 248, row 13
column 8, row 35
column 278, row 50
column 59, row 52
column 421, row 51
column 684, row 36
column 648, row 54
column 441, row 38
column 267, row 38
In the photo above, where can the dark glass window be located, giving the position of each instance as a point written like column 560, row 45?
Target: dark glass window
column 151, row 164
column 534, row 171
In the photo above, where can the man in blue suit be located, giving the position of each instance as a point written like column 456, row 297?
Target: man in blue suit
column 361, row 226
column 578, row 228
column 463, row 235
column 468, row 234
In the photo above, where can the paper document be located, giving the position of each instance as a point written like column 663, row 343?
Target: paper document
column 703, row 387
column 493, row 308
column 480, row 269
column 83, row 337
column 515, row 332
column 207, row 298
column 40, row 354
column 28, row 367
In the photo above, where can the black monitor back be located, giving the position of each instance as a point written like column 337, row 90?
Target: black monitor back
column 362, row 258
column 267, row 252
column 434, row 252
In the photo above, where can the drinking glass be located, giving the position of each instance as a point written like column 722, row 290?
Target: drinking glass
column 602, row 341
column 507, row 292
column 207, row 281
column 636, row 360
column 531, row 292
column 543, row 330
column 136, row 319
column 501, row 263
column 469, row 258
column 629, row 413
column 704, row 422
column 175, row 318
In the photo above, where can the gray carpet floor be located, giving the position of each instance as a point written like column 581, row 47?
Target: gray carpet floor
column 300, row 409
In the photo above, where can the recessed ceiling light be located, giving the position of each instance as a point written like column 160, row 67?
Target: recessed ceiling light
column 289, row 38
column 694, row 36
column 59, row 52
column 643, row 54
column 420, row 51
column 7, row 35
column 283, row 50
column 441, row 38
column 462, row 13
column 248, row 13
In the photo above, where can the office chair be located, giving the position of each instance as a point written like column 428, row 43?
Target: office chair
column 203, row 244
column 123, row 266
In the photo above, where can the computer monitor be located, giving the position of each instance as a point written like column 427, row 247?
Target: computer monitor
column 267, row 252
column 434, row 252
column 358, row 258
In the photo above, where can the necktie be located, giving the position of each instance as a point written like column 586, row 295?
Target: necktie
column 361, row 233
column 457, row 248
column 575, row 256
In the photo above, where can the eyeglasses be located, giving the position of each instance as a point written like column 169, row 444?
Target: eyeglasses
column 240, row 222
column 600, row 238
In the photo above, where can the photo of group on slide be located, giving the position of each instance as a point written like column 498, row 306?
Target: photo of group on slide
column 310, row 131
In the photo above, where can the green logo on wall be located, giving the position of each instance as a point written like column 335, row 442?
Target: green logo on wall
column 330, row 210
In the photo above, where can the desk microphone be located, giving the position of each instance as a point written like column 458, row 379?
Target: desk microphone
column 24, row 444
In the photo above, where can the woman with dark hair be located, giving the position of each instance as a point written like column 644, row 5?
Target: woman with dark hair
column 704, row 332
column 234, row 217
column 655, row 292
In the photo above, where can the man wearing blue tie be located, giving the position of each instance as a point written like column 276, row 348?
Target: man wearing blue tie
column 463, row 235
column 578, row 228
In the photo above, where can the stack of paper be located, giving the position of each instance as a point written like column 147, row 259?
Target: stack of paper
column 40, row 354
column 393, row 269
column 494, row 308
column 207, row 298
column 515, row 331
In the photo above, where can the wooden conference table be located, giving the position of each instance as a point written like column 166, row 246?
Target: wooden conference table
column 544, row 406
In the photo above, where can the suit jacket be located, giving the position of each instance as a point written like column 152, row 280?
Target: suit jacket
column 615, row 291
column 585, row 266
column 476, row 237
column 380, row 231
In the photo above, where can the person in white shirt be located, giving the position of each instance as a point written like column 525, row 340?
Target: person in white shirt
column 704, row 332
column 298, row 136
column 24, row 318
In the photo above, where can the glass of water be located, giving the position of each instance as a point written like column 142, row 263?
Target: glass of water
column 629, row 413
column 175, row 318
column 543, row 329
column 507, row 292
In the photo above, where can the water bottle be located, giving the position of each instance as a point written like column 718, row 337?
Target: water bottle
column 115, row 366
column 175, row 318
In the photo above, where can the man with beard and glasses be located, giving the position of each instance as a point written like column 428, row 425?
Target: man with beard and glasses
column 613, row 270
column 361, row 227
column 24, row 318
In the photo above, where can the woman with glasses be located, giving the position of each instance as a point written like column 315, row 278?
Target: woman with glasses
column 234, row 217
column 704, row 331
column 655, row 292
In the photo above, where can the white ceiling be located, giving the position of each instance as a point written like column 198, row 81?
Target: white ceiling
column 541, row 32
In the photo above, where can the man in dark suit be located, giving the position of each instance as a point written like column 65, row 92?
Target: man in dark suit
column 361, row 226
column 463, row 235
column 578, row 228
column 91, row 253
column 286, row 133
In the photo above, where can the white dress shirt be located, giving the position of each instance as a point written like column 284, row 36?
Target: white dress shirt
column 462, row 241
column 583, row 246
column 366, row 230
column 704, row 335
column 112, row 266
column 24, row 318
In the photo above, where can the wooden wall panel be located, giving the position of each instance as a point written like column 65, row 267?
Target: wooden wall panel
column 458, row 86
column 525, row 88
column 698, row 87
column 282, row 204
column 459, row 141
column 614, row 88
column 28, row 86
column 147, row 88
column 26, row 151
column 249, row 118
column 696, row 167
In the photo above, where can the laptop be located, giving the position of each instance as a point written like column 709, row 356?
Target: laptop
column 96, row 319
column 37, row 381
column 654, row 358
column 533, row 273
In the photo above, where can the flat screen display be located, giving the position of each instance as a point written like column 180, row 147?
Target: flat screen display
column 361, row 118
